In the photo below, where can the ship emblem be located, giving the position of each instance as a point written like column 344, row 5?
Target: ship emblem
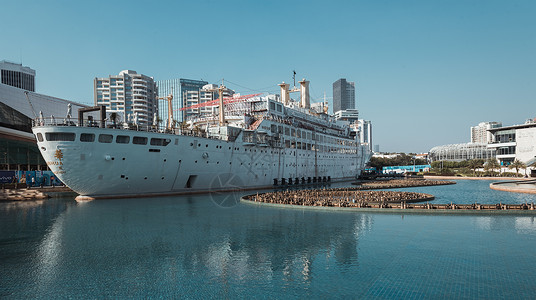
column 58, row 155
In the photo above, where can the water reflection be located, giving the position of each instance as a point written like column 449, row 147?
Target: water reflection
column 193, row 236
column 176, row 246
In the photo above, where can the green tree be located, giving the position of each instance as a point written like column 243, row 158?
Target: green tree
column 474, row 164
column 518, row 165
column 492, row 164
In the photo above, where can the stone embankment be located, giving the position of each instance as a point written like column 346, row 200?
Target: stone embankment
column 399, row 183
column 518, row 186
column 21, row 195
column 339, row 198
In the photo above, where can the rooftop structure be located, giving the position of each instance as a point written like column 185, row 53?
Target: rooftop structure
column 17, row 75
column 350, row 115
column 461, row 152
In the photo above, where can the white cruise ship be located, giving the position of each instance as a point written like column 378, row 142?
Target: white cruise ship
column 249, row 143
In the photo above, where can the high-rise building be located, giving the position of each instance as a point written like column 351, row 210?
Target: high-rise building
column 132, row 95
column 480, row 133
column 17, row 75
column 343, row 95
column 207, row 93
column 365, row 132
column 178, row 88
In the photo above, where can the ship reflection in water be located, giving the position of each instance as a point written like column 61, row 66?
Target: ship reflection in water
column 190, row 247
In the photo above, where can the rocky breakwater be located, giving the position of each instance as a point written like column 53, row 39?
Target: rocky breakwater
column 339, row 198
column 21, row 195
column 399, row 183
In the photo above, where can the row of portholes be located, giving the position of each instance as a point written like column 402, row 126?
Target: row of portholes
column 145, row 178
column 255, row 150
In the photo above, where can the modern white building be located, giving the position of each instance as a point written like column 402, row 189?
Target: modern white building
column 17, row 75
column 134, row 96
column 197, row 98
column 515, row 142
column 365, row 132
column 480, row 133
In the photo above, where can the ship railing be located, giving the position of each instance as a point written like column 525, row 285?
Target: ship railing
column 90, row 122
column 54, row 122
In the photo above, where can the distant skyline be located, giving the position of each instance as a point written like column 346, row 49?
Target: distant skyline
column 425, row 71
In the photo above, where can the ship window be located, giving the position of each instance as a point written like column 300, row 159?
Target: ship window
column 87, row 137
column 105, row 138
column 160, row 142
column 39, row 137
column 272, row 106
column 122, row 139
column 139, row 140
column 60, row 136
column 273, row 128
column 279, row 107
column 287, row 131
column 298, row 133
column 293, row 132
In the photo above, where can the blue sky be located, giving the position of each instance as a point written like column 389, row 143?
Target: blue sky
column 425, row 71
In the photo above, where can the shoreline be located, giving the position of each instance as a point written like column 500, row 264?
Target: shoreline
column 34, row 194
column 477, row 178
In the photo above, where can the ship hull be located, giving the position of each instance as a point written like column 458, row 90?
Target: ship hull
column 104, row 168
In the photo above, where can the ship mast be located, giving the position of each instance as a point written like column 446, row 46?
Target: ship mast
column 169, row 100
column 221, row 108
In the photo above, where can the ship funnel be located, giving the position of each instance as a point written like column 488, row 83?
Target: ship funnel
column 285, row 96
column 304, row 91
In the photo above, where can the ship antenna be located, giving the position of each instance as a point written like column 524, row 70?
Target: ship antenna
column 294, row 77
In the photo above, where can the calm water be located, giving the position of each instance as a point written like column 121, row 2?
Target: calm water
column 192, row 247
